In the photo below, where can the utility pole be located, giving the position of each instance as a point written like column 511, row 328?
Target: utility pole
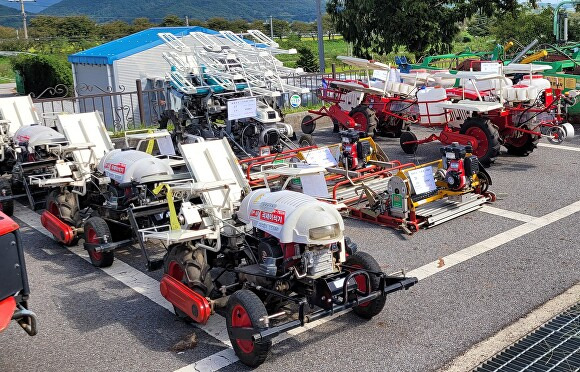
column 23, row 15
column 320, row 36
column 271, row 29
column 187, row 21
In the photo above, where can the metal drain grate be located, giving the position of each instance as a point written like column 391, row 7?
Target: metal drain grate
column 555, row 346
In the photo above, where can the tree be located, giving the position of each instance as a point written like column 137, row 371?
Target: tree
column 259, row 25
column 281, row 27
column 307, row 60
column 218, row 23
column 7, row 32
column 172, row 21
column 300, row 28
column 114, row 30
column 142, row 23
column 421, row 26
column 524, row 26
column 479, row 25
column 197, row 22
column 328, row 25
column 238, row 25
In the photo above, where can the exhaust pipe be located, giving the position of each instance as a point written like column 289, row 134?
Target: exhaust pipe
column 193, row 304
column 60, row 230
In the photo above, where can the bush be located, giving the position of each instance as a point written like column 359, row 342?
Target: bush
column 40, row 72
column 307, row 60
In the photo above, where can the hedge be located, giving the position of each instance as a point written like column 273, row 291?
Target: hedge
column 40, row 72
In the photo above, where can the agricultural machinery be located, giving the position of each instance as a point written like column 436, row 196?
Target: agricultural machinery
column 269, row 261
column 488, row 110
column 359, row 179
column 223, row 86
column 26, row 148
column 14, row 289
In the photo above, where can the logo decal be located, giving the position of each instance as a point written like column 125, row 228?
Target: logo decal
column 116, row 168
column 276, row 216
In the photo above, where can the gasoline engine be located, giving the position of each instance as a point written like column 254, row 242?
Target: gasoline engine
column 459, row 166
column 354, row 152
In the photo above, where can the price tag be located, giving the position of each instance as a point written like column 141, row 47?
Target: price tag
column 321, row 157
column 242, row 108
column 491, row 67
column 165, row 145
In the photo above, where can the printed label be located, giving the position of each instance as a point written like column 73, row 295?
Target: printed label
column 115, row 168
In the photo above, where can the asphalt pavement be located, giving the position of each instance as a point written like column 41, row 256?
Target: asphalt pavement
column 90, row 319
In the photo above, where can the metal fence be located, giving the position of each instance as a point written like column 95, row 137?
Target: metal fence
column 143, row 107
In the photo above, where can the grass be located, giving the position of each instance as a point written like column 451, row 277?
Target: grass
column 6, row 73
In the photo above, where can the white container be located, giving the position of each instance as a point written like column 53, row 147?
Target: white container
column 442, row 82
column 429, row 110
column 536, row 81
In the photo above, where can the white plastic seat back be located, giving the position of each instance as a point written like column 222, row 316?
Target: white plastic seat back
column 86, row 128
column 20, row 111
column 212, row 161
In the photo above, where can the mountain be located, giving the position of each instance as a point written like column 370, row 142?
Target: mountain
column 155, row 10
column 10, row 17
column 32, row 7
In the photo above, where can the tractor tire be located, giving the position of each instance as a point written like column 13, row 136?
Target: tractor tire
column 365, row 261
column 308, row 125
column 6, row 206
column 392, row 127
column 245, row 309
column 522, row 146
column 64, row 206
column 95, row 229
column 487, row 137
column 306, row 140
column 186, row 265
column 409, row 148
column 366, row 118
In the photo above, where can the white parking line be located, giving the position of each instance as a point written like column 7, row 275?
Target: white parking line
column 506, row 214
column 149, row 287
column 569, row 148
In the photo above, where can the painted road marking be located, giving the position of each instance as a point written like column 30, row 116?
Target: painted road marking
column 507, row 336
column 569, row 148
column 506, row 214
column 131, row 277
column 149, row 287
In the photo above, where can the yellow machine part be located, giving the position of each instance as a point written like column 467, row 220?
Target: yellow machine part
column 508, row 45
column 173, row 219
column 535, row 56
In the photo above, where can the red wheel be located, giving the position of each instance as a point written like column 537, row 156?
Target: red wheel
column 246, row 310
column 361, row 283
column 365, row 119
column 96, row 229
column 487, row 138
column 521, row 145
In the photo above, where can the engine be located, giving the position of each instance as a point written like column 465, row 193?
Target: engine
column 299, row 233
column 354, row 152
column 30, row 140
column 459, row 168
column 130, row 171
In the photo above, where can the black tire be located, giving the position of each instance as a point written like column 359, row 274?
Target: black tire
column 96, row 229
column 370, row 117
column 392, row 127
column 306, row 140
column 64, row 206
column 308, row 125
column 365, row 261
column 407, row 136
column 335, row 126
column 482, row 125
column 6, row 206
column 165, row 119
column 522, row 146
column 246, row 307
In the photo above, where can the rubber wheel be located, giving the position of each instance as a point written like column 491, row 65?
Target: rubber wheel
column 6, row 206
column 523, row 145
column 366, row 119
column 165, row 119
column 363, row 260
column 487, row 138
column 245, row 309
column 306, row 140
column 308, row 124
column 392, row 127
column 409, row 148
column 335, row 126
column 64, row 206
column 95, row 229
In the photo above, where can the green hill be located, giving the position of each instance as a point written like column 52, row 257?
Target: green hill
column 107, row 10
column 10, row 17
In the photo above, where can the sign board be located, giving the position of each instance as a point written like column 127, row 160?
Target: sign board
column 166, row 145
column 491, row 67
column 295, row 100
column 397, row 201
column 321, row 157
column 422, row 180
column 381, row 75
column 242, row 108
column 314, row 185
